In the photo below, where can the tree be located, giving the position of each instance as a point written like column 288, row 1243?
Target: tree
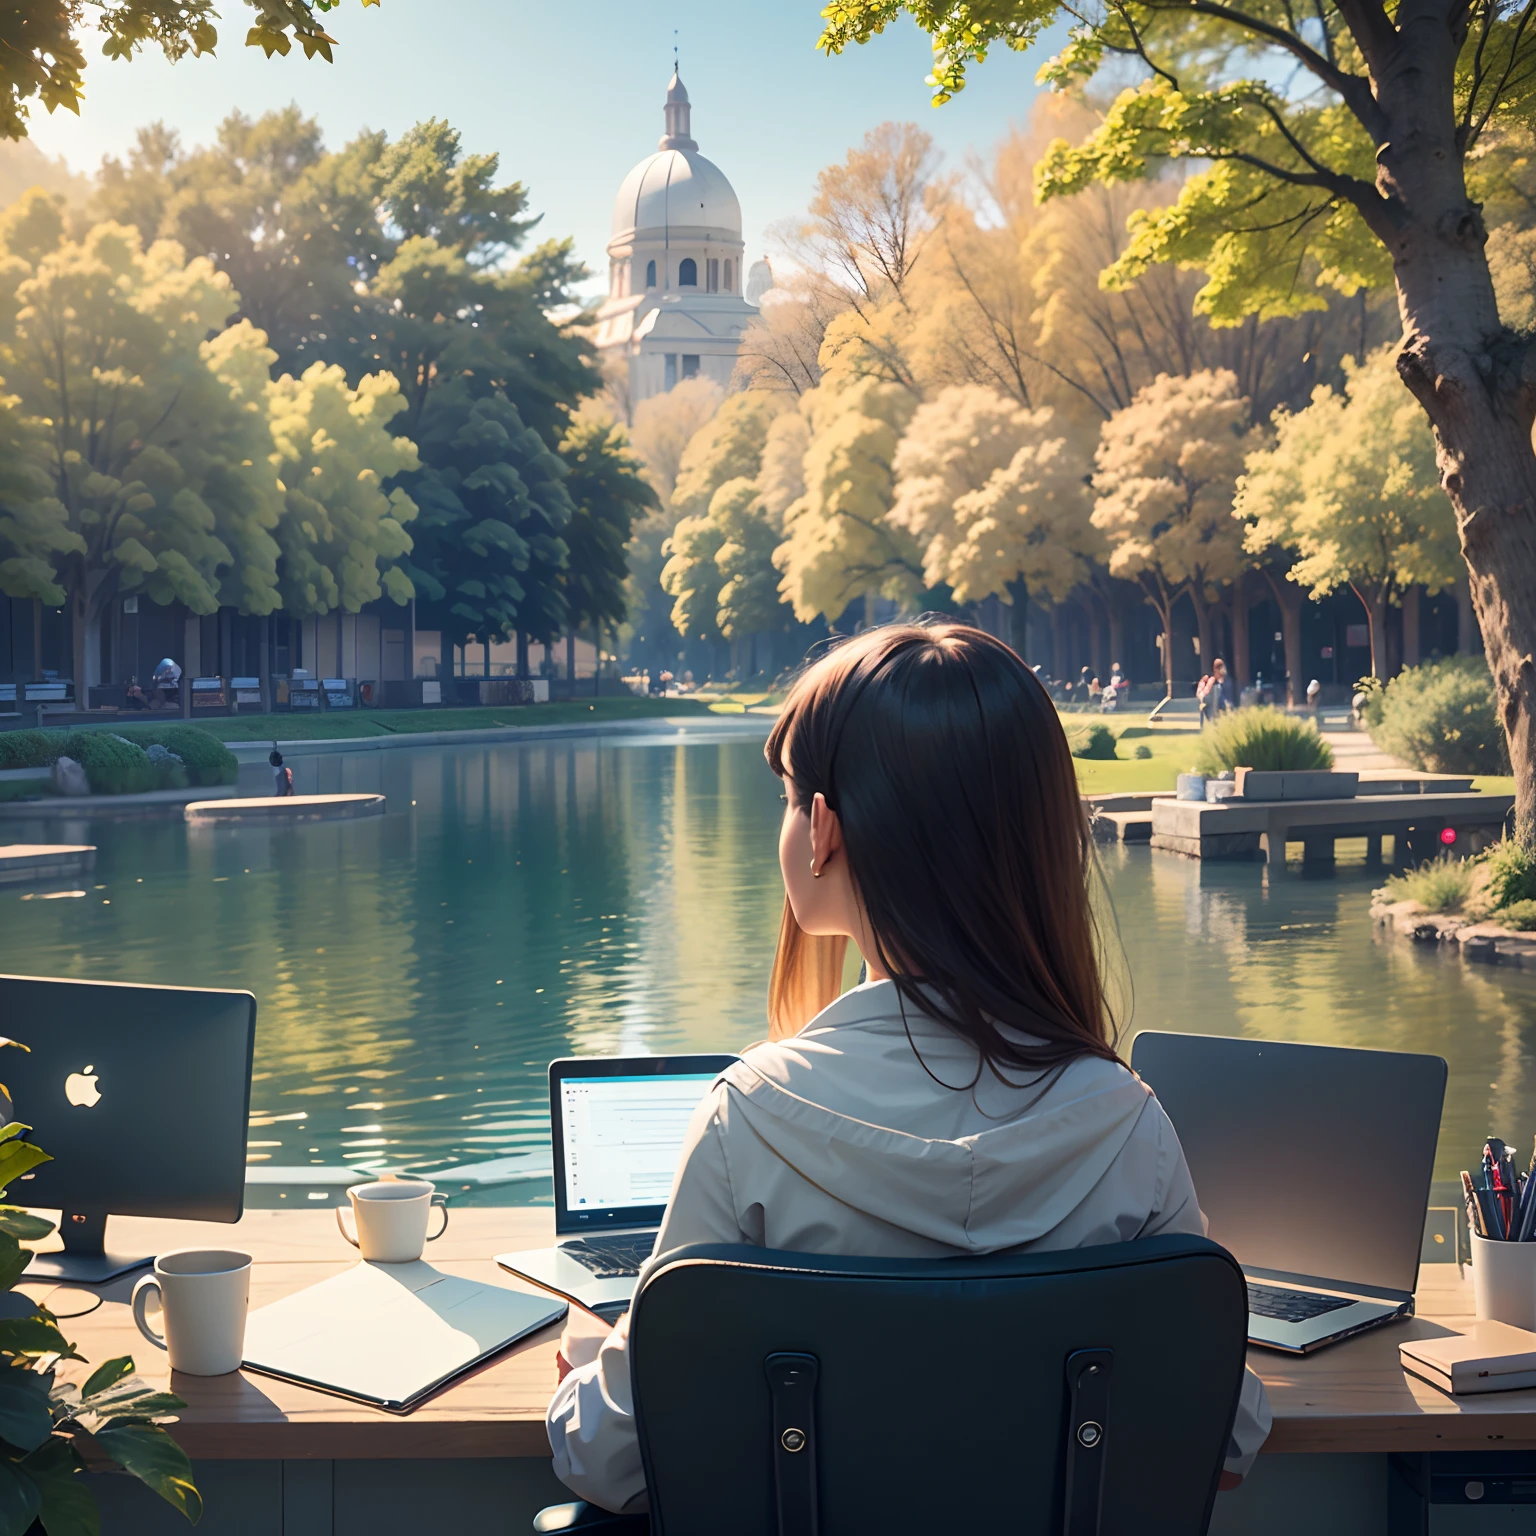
column 749, row 599
column 1351, row 486
column 342, row 534
column 609, row 495
column 155, row 453
column 1359, row 174
column 666, row 424
column 490, row 551
column 727, row 447
column 1164, row 476
column 839, row 544
column 43, row 58
column 692, row 578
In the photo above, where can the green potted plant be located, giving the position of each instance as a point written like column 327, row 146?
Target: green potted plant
column 53, row 1433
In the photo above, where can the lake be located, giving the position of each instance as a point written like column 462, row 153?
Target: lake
column 416, row 972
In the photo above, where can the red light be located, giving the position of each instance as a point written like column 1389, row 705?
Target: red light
column 1448, row 835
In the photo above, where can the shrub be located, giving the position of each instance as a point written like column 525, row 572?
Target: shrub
column 1099, row 744
column 1511, row 876
column 27, row 749
column 1440, row 885
column 1142, row 750
column 1442, row 717
column 113, row 766
column 206, row 759
column 1521, row 916
column 1263, row 738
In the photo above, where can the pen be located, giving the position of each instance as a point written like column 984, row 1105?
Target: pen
column 1474, row 1214
column 1492, row 1214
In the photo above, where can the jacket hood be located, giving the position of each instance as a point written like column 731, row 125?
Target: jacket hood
column 980, row 1169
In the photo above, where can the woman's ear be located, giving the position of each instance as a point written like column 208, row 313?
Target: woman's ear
column 826, row 833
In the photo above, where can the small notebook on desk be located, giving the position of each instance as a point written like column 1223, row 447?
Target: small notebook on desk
column 1489, row 1357
column 389, row 1334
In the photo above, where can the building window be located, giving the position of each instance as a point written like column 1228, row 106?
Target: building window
column 688, row 273
column 650, row 274
column 669, row 375
column 728, row 287
column 712, row 275
column 690, row 365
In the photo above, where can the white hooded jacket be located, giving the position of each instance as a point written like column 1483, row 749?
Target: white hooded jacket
column 845, row 1139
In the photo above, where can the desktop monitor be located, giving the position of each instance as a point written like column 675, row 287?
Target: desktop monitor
column 141, row 1096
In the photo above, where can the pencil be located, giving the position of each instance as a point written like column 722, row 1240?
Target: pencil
column 1474, row 1212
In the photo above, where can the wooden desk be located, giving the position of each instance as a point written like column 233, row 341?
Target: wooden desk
column 280, row 1460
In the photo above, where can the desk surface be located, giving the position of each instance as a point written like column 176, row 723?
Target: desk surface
column 1352, row 1397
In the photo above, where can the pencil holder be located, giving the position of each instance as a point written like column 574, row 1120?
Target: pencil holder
column 1504, row 1281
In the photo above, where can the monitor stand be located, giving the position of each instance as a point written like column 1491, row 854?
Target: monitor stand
column 84, row 1260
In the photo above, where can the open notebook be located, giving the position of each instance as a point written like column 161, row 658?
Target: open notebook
column 388, row 1334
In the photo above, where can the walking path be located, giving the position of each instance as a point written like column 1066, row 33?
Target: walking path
column 1355, row 752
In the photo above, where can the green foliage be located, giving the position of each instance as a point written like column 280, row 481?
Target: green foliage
column 609, row 495
column 1442, row 717
column 40, row 42
column 113, row 766
column 1521, row 916
column 1511, row 876
column 27, row 749
column 206, row 759
column 1441, row 884
column 42, row 1471
column 1262, row 738
column 1142, row 751
column 1098, row 744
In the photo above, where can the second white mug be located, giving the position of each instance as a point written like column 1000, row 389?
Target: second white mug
column 391, row 1218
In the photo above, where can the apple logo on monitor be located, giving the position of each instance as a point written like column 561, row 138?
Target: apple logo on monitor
column 80, row 1088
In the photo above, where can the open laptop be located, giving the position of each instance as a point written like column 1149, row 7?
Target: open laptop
column 1312, row 1164
column 618, row 1124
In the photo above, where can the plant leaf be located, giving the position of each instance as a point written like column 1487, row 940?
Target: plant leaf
column 13, row 1261
column 69, row 1506
column 4, row 1040
column 108, row 1374
column 20, row 1501
column 157, row 1461
column 23, row 1224
column 25, row 1419
column 34, row 1336
column 17, row 1158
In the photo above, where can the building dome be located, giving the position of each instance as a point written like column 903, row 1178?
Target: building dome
column 676, row 188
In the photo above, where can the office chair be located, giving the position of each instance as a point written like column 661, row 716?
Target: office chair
column 1089, row 1392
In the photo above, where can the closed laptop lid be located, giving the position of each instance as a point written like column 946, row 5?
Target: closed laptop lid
column 1308, row 1160
column 618, row 1124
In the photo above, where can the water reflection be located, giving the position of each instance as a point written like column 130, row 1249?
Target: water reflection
column 417, row 971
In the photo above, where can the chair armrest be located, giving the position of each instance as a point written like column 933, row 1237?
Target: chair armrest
column 588, row 1517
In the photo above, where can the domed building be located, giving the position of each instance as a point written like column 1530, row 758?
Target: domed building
column 675, row 309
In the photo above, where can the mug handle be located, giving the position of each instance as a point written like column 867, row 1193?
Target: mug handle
column 141, row 1294
column 441, row 1203
column 342, row 1225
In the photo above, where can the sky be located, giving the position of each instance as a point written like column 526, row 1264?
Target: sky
column 569, row 94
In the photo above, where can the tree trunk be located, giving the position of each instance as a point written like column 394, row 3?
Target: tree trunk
column 1018, row 619
column 1374, row 601
column 1116, row 611
column 1287, row 596
column 79, row 626
column 570, row 657
column 1095, row 637
column 1203, row 629
column 485, row 670
column 522, row 653
column 1059, row 641
column 1242, row 661
column 1475, row 379
column 1411, row 645
column 37, row 640
column 1163, row 606
column 597, row 666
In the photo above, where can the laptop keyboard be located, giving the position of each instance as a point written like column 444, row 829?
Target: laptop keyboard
column 1291, row 1306
column 611, row 1258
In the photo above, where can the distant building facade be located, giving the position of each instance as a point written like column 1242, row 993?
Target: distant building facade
column 676, row 307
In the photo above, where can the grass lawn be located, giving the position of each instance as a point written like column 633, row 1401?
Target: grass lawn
column 1171, row 747
column 346, row 725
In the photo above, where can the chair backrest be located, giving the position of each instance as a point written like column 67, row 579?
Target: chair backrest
column 1089, row 1392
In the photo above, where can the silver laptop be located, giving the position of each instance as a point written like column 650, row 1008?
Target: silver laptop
column 617, row 1124
column 1313, row 1165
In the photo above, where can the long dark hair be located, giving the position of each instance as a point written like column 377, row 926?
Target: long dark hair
column 966, row 840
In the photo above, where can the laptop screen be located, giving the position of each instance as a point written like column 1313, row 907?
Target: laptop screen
column 1308, row 1160
column 619, row 1135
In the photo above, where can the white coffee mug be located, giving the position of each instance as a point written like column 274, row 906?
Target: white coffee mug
column 391, row 1219
column 203, row 1296
column 1504, row 1281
